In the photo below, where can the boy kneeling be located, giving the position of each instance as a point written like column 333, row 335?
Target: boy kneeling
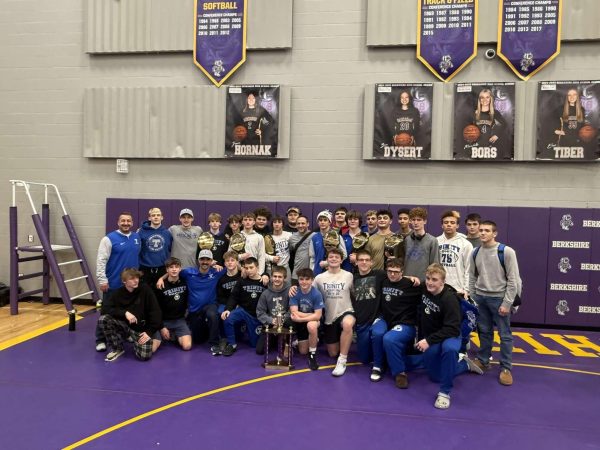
column 131, row 311
column 306, row 308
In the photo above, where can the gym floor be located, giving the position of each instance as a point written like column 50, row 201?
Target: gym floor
column 57, row 392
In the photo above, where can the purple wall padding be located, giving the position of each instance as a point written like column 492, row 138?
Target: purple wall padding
column 565, row 277
column 115, row 206
column 530, row 231
column 527, row 234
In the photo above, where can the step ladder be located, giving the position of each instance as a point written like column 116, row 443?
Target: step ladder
column 50, row 264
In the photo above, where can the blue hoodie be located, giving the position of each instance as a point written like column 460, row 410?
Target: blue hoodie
column 156, row 245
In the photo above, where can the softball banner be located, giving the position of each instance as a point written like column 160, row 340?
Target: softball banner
column 484, row 121
column 446, row 35
column 568, row 120
column 402, row 125
column 528, row 34
column 220, row 38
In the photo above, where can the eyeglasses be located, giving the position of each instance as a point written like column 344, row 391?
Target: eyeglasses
column 363, row 259
column 396, row 272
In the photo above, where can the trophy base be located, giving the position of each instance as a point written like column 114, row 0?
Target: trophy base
column 277, row 365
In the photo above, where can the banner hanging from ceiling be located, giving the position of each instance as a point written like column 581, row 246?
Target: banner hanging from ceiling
column 220, row 38
column 529, row 34
column 446, row 35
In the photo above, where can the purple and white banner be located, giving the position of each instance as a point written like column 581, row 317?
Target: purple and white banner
column 402, row 125
column 529, row 34
column 568, row 120
column 252, row 121
column 219, row 38
column 446, row 35
column 484, row 115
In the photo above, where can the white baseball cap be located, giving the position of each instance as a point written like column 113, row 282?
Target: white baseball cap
column 186, row 211
column 205, row 254
column 325, row 213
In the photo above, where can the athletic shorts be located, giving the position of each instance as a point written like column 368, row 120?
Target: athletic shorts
column 301, row 330
column 332, row 332
column 178, row 328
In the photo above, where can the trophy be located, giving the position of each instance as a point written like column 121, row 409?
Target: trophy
column 237, row 242
column 284, row 357
column 331, row 240
column 360, row 240
column 278, row 312
column 269, row 245
column 206, row 241
column 392, row 242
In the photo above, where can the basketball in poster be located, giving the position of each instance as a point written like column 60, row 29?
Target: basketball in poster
column 251, row 125
column 402, row 125
column 484, row 121
column 567, row 120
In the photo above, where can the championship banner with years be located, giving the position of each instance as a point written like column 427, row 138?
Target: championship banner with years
column 446, row 35
column 219, row 38
column 252, row 121
column 402, row 126
column 528, row 34
column 484, row 121
column 568, row 119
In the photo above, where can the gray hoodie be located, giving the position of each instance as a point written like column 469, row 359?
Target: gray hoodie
column 267, row 302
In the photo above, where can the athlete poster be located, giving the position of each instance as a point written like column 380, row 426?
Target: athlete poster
column 219, row 38
column 484, row 121
column 403, row 121
column 252, row 121
column 528, row 34
column 568, row 119
column 446, row 35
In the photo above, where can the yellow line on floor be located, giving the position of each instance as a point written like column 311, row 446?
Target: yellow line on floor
column 33, row 334
column 190, row 399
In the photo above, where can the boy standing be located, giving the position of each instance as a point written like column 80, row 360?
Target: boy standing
column 472, row 223
column 336, row 287
column 306, row 308
column 220, row 244
column 317, row 250
column 185, row 239
column 404, row 222
column 455, row 253
column 255, row 243
column 282, row 247
column 173, row 302
column 420, row 247
column 156, row 247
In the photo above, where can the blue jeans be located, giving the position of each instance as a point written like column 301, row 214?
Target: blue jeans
column 441, row 362
column 395, row 343
column 488, row 315
column 369, row 342
column 240, row 315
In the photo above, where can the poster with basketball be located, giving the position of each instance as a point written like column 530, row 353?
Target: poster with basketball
column 484, row 121
column 402, row 125
column 252, row 121
column 568, row 119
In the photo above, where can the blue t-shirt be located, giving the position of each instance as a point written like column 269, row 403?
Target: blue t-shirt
column 308, row 303
column 202, row 287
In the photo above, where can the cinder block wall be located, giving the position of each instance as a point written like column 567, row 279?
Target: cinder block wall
column 44, row 71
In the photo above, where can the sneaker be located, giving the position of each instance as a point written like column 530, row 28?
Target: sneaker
column 312, row 361
column 402, row 380
column 376, row 374
column 505, row 377
column 480, row 364
column 471, row 364
column 215, row 350
column 340, row 369
column 101, row 347
column 113, row 355
column 442, row 401
column 228, row 350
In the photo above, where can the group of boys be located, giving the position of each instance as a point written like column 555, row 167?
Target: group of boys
column 401, row 304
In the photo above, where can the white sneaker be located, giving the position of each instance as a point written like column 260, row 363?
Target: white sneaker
column 100, row 347
column 340, row 369
column 113, row 355
column 442, row 401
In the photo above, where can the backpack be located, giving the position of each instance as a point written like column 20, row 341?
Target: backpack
column 468, row 323
column 517, row 300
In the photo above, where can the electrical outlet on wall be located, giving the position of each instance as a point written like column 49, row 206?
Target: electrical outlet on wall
column 30, row 238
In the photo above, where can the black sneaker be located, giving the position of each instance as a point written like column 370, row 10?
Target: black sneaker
column 228, row 350
column 375, row 375
column 312, row 361
column 216, row 350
